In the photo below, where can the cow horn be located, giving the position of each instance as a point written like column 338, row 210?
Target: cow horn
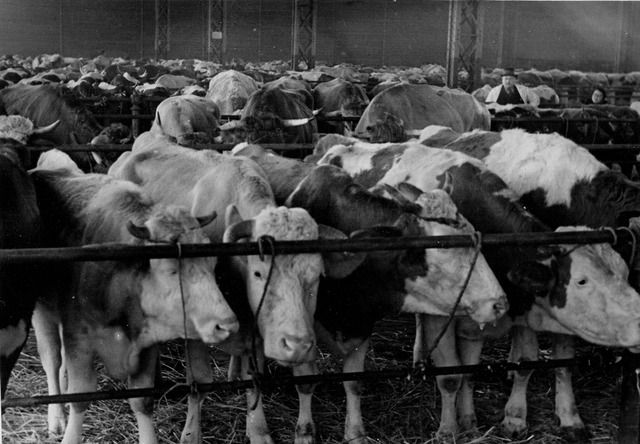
column 295, row 122
column 139, row 231
column 239, row 230
column 46, row 129
column 206, row 220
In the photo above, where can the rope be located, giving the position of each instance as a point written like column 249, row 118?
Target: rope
column 254, row 370
column 477, row 243
column 194, row 385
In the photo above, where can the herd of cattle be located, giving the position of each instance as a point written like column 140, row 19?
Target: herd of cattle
column 421, row 161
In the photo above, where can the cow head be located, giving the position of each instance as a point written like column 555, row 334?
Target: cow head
column 175, row 290
column 483, row 298
column 391, row 129
column 282, row 289
column 582, row 290
column 21, row 129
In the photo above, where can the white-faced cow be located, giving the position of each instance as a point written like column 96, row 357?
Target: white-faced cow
column 411, row 107
column 231, row 90
column 20, row 227
column 209, row 181
column 562, row 184
column 349, row 307
column 118, row 310
column 592, row 299
column 185, row 120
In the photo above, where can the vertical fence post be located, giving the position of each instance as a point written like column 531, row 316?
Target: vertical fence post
column 135, row 111
column 629, row 423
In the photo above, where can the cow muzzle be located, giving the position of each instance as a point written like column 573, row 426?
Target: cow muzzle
column 488, row 312
column 629, row 335
column 218, row 330
column 290, row 350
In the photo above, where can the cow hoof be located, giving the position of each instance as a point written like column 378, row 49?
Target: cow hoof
column 305, row 434
column 468, row 424
column 513, row 427
column 445, row 438
column 261, row 439
column 575, row 435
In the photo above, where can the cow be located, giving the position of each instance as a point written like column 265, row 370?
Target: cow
column 348, row 307
column 339, row 98
column 118, row 310
column 235, row 186
column 45, row 104
column 231, row 90
column 20, row 227
column 562, row 184
column 273, row 115
column 414, row 107
column 332, row 197
column 598, row 273
column 186, row 120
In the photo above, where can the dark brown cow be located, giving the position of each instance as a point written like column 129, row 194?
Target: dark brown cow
column 339, row 98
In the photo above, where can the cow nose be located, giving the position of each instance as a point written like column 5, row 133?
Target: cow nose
column 225, row 328
column 629, row 334
column 296, row 348
column 489, row 311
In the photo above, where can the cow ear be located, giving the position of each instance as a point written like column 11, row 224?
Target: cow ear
column 532, row 277
column 411, row 192
column 338, row 265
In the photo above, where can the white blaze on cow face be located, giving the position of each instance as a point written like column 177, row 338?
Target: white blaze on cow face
column 285, row 320
column 550, row 162
column 173, row 288
column 436, row 293
column 591, row 296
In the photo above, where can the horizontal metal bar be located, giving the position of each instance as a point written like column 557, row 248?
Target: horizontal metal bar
column 180, row 390
column 100, row 252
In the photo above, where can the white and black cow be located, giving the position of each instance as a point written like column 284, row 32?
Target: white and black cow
column 118, row 310
column 592, row 300
column 562, row 184
column 209, row 181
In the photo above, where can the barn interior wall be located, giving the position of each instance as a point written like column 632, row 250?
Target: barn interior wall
column 589, row 36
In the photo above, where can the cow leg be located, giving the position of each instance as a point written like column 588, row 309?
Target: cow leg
column 305, row 428
column 524, row 347
column 566, row 410
column 419, row 342
column 257, row 429
column 49, row 343
column 469, row 350
column 354, row 427
column 198, row 370
column 82, row 378
column 143, row 407
column 445, row 354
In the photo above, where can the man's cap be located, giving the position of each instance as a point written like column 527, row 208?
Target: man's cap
column 509, row 72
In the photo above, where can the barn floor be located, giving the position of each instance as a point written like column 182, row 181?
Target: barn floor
column 395, row 411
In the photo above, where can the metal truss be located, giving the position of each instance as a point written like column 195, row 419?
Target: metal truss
column 162, row 30
column 464, row 42
column 303, row 34
column 217, row 40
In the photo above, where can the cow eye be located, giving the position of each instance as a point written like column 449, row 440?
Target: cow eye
column 582, row 281
column 257, row 274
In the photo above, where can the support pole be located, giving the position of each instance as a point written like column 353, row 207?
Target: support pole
column 217, row 32
column 303, row 34
column 464, row 43
column 162, row 30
